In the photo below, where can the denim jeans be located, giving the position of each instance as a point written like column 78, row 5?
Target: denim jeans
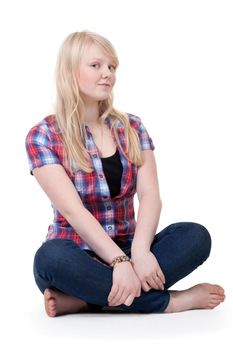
column 60, row 264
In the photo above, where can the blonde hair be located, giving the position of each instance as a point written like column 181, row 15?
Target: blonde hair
column 69, row 107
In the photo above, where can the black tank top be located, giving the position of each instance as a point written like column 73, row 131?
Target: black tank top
column 113, row 172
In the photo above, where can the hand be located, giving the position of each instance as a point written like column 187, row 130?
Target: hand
column 126, row 285
column 148, row 271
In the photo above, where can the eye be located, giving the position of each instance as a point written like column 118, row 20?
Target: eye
column 95, row 65
column 112, row 68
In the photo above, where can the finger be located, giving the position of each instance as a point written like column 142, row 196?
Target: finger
column 129, row 300
column 145, row 286
column 158, row 282
column 153, row 283
column 158, row 274
column 112, row 293
column 138, row 294
column 120, row 299
column 117, row 298
column 161, row 276
column 125, row 296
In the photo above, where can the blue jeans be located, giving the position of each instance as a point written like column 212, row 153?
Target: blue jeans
column 60, row 264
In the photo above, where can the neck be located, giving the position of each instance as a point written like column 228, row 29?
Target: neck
column 91, row 113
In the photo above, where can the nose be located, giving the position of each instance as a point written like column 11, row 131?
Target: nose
column 105, row 72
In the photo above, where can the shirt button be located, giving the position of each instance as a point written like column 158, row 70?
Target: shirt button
column 109, row 228
column 105, row 197
column 101, row 176
column 109, row 207
column 95, row 155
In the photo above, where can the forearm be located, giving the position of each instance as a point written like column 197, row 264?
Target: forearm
column 94, row 235
column 147, row 222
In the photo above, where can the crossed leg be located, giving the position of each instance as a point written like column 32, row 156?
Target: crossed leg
column 179, row 248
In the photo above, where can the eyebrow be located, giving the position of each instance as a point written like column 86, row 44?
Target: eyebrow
column 100, row 59
column 96, row 58
column 111, row 61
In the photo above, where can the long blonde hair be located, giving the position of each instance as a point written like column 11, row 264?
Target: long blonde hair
column 69, row 106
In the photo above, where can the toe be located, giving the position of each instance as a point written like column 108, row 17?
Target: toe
column 47, row 293
column 51, row 309
column 219, row 289
column 50, row 303
column 216, row 289
column 52, row 313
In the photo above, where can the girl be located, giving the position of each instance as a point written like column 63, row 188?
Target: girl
column 90, row 159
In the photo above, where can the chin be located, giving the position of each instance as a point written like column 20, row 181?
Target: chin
column 102, row 97
column 96, row 97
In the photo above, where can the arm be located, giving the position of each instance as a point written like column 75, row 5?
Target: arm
column 149, row 204
column 145, row 263
column 62, row 193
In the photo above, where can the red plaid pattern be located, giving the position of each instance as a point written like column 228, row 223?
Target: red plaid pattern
column 116, row 215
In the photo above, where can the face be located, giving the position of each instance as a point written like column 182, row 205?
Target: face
column 96, row 75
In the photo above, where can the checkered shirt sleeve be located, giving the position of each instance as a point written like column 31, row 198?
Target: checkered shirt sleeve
column 39, row 148
column 144, row 137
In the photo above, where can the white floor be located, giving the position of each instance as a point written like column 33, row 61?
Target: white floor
column 25, row 325
column 30, row 328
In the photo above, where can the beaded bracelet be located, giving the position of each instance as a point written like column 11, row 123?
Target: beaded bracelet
column 119, row 259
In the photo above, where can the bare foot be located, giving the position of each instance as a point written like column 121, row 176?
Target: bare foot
column 57, row 303
column 201, row 296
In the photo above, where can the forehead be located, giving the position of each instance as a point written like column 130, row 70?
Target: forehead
column 95, row 52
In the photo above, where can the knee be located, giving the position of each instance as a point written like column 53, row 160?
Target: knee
column 40, row 262
column 46, row 258
column 193, row 238
column 201, row 239
column 46, row 264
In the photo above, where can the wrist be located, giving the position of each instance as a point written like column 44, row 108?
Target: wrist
column 119, row 259
column 139, row 252
column 126, row 264
column 140, row 247
column 139, row 257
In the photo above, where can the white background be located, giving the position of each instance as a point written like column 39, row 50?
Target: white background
column 176, row 73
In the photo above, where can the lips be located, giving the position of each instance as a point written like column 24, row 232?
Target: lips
column 105, row 84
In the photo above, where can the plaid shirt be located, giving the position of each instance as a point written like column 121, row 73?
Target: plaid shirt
column 116, row 215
